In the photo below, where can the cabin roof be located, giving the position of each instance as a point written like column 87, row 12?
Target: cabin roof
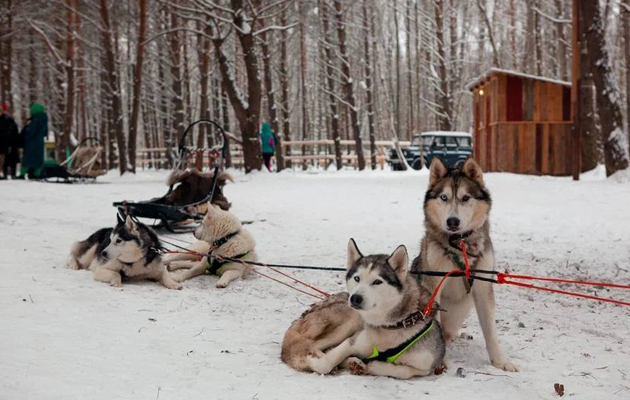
column 446, row 133
column 481, row 78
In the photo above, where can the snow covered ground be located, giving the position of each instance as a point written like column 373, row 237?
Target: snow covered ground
column 64, row 336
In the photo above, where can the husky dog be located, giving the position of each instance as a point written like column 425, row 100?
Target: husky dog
column 397, row 339
column 325, row 325
column 129, row 249
column 220, row 235
column 456, row 207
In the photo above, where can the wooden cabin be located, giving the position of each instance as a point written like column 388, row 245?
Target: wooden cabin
column 522, row 123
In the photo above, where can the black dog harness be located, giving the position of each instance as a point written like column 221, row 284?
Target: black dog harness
column 213, row 263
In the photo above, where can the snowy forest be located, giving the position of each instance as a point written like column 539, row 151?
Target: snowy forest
column 135, row 73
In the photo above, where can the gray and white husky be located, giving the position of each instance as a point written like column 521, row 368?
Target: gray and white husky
column 221, row 235
column 129, row 249
column 457, row 207
column 396, row 339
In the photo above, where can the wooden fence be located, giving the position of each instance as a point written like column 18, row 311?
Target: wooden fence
column 296, row 153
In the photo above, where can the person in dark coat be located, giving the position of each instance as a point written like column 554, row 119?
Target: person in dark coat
column 35, row 135
column 9, row 143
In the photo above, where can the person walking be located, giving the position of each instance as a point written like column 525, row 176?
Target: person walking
column 268, row 143
column 9, row 142
column 35, row 135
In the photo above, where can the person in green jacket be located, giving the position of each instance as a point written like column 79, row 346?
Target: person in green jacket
column 35, row 134
column 268, row 144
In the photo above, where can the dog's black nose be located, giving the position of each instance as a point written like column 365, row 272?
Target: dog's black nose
column 356, row 300
column 104, row 253
column 452, row 222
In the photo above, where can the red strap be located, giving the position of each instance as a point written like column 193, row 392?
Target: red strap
column 501, row 278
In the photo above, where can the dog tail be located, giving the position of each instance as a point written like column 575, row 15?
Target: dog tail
column 223, row 178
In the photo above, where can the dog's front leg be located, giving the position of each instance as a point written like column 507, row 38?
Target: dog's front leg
column 483, row 295
column 228, row 276
column 177, row 265
column 105, row 275
column 167, row 281
column 398, row 371
column 197, row 269
column 334, row 357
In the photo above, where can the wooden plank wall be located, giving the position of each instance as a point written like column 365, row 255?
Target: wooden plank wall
column 537, row 145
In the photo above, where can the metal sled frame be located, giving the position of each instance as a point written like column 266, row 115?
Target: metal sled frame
column 63, row 173
column 168, row 214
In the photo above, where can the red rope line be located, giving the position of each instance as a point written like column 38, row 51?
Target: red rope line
column 200, row 256
column 286, row 284
column 502, row 276
column 501, row 279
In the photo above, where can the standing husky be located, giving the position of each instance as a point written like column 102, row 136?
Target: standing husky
column 220, row 234
column 130, row 249
column 396, row 340
column 457, row 206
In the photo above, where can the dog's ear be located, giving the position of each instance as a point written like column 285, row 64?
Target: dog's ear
column 473, row 171
column 437, row 171
column 354, row 254
column 130, row 225
column 119, row 219
column 399, row 260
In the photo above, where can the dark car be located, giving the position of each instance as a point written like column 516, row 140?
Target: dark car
column 452, row 147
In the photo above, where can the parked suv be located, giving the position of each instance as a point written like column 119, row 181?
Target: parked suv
column 452, row 147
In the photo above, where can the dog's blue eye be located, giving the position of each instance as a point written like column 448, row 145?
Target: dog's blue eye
column 357, row 279
column 465, row 198
column 377, row 282
column 444, row 197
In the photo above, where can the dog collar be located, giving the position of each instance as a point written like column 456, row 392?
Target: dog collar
column 391, row 355
column 409, row 321
column 220, row 242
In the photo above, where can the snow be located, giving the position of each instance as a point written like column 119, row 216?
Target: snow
column 485, row 75
column 65, row 336
column 446, row 133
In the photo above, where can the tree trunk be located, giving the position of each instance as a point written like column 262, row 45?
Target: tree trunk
column 177, row 123
column 271, row 97
column 330, row 82
column 398, row 75
column 625, row 16
column 6, row 53
column 69, row 108
column 284, row 98
column 367, row 37
column 113, row 89
column 204, row 113
column 609, row 109
column 137, row 85
column 348, row 85
column 443, row 94
column 562, row 47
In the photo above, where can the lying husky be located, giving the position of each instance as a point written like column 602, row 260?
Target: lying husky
column 396, row 339
column 128, row 250
column 457, row 206
column 221, row 235
column 325, row 325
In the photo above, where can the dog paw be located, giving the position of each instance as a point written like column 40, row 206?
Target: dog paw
column 174, row 286
column 505, row 365
column 221, row 285
column 319, row 365
column 116, row 283
column 356, row 366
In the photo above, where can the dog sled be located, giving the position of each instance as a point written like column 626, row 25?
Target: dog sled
column 175, row 213
column 83, row 165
